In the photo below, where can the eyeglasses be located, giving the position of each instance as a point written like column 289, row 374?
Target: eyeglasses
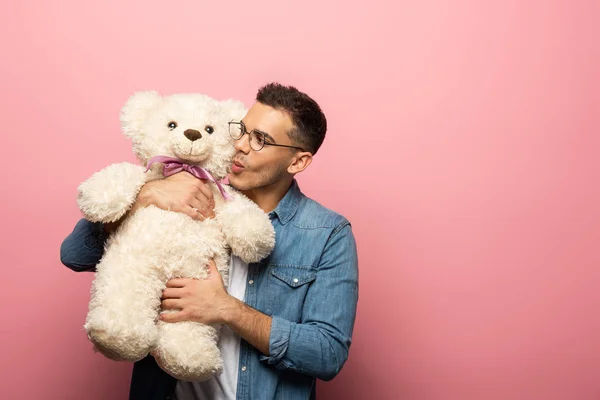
column 258, row 139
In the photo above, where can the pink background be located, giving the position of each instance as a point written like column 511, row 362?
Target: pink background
column 463, row 147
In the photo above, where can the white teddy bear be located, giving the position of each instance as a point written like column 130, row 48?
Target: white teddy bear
column 178, row 132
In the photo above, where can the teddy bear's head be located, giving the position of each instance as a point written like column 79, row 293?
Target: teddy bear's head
column 191, row 127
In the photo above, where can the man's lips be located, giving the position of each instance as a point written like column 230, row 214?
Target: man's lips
column 237, row 166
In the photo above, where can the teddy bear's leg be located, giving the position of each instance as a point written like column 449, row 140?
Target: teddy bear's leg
column 188, row 350
column 124, row 308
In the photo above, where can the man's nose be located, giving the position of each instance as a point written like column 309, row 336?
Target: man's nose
column 243, row 144
column 192, row 134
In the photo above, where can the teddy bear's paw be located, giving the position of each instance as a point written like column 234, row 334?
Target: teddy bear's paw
column 120, row 347
column 110, row 353
column 108, row 194
column 256, row 246
column 248, row 231
column 188, row 350
column 185, row 369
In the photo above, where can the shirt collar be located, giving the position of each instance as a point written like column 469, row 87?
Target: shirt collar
column 288, row 205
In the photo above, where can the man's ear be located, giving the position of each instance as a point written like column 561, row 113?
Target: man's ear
column 136, row 109
column 300, row 162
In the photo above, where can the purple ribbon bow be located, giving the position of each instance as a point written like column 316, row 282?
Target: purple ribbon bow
column 172, row 166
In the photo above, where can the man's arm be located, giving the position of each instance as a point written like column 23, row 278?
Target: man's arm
column 317, row 346
column 252, row 325
column 207, row 301
column 83, row 248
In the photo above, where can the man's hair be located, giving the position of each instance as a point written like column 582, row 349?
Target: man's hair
column 309, row 121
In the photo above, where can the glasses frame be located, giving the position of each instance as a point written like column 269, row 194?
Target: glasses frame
column 258, row 134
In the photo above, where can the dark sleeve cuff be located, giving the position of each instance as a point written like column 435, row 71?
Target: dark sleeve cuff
column 84, row 247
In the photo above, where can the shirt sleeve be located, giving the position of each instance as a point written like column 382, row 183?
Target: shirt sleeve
column 318, row 346
column 84, row 247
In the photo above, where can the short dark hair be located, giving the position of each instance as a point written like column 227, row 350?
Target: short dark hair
column 309, row 121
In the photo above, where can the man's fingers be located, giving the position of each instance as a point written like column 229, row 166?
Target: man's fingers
column 195, row 203
column 172, row 293
column 177, row 282
column 206, row 192
column 206, row 211
column 172, row 304
column 209, row 213
column 195, row 213
column 204, row 205
column 187, row 194
column 172, row 317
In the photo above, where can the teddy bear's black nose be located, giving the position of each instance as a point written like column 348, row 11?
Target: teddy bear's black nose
column 192, row 134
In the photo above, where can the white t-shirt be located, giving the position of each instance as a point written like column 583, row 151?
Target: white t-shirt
column 222, row 386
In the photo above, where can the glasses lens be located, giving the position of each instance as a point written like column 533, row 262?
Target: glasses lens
column 257, row 140
column 235, row 130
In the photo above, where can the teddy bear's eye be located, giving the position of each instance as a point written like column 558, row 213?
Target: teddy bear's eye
column 209, row 129
column 172, row 125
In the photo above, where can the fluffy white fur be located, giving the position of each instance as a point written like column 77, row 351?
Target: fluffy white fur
column 153, row 245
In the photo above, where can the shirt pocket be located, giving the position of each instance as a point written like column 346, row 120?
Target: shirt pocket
column 287, row 290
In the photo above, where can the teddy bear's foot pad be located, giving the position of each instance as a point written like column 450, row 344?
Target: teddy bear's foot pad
column 188, row 350
column 119, row 347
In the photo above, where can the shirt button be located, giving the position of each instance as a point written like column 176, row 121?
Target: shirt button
column 295, row 280
column 244, row 368
column 250, row 282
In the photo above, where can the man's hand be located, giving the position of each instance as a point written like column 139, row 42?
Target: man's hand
column 203, row 300
column 207, row 301
column 181, row 192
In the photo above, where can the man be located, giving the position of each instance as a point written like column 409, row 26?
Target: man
column 288, row 320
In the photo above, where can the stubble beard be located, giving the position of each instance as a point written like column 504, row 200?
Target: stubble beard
column 261, row 180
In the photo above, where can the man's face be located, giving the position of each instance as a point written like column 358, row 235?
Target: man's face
column 257, row 169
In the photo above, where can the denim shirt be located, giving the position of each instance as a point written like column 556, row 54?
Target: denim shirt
column 309, row 285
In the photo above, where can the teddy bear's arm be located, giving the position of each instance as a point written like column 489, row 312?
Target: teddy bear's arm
column 248, row 230
column 109, row 193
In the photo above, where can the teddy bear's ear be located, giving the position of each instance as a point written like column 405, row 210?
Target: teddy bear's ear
column 233, row 109
column 136, row 109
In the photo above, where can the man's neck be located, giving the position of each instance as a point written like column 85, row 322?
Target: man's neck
column 268, row 197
